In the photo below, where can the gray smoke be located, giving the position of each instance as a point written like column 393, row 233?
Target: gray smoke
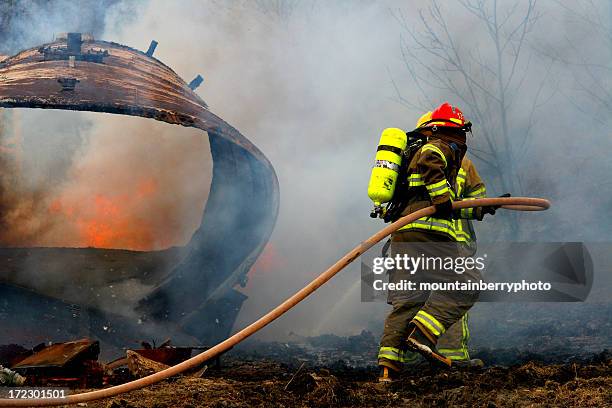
column 28, row 23
column 79, row 179
column 314, row 83
column 315, row 90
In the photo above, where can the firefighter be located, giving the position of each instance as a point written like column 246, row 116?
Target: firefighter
column 417, row 320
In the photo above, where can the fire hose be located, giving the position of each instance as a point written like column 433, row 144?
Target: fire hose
column 510, row 203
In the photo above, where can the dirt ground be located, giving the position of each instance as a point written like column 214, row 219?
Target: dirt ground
column 270, row 384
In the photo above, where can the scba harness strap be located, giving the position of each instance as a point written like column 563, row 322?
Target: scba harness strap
column 411, row 185
column 401, row 196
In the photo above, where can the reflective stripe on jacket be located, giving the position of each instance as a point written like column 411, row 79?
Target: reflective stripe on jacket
column 431, row 173
column 469, row 186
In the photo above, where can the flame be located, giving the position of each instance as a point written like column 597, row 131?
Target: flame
column 110, row 221
column 142, row 192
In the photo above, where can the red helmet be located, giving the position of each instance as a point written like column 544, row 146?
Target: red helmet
column 446, row 115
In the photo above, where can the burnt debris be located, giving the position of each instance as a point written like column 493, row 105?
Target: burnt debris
column 72, row 364
column 76, row 364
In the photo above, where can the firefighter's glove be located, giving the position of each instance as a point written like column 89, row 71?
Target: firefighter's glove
column 490, row 209
column 444, row 210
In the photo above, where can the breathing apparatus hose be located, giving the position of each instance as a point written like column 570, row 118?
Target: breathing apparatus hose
column 511, row 203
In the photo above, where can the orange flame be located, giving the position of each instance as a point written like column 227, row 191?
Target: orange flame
column 110, row 221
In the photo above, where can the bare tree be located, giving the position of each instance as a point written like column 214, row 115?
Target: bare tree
column 587, row 22
column 582, row 53
column 487, row 77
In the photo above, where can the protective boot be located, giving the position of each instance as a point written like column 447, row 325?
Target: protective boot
column 471, row 364
column 423, row 342
column 388, row 373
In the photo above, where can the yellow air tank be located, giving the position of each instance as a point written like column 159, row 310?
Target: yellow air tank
column 392, row 143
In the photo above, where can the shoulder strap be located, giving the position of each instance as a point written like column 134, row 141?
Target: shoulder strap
column 402, row 195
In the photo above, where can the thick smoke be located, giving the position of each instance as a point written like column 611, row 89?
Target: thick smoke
column 314, row 83
column 136, row 184
column 36, row 152
column 316, row 87
column 98, row 180
column 28, row 23
column 75, row 179
column 312, row 91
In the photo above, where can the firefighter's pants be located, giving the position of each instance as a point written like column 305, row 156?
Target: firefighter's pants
column 440, row 312
column 453, row 343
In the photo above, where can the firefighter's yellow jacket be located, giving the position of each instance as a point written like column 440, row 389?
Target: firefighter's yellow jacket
column 431, row 173
column 468, row 186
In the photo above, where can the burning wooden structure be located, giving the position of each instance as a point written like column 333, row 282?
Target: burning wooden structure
column 193, row 299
